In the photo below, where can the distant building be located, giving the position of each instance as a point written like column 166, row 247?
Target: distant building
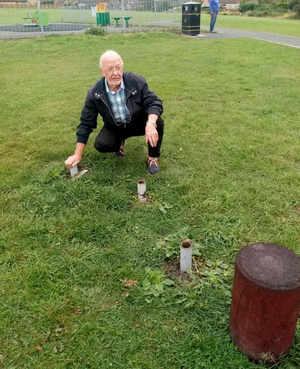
column 230, row 4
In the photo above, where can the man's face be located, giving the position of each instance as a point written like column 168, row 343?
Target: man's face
column 112, row 70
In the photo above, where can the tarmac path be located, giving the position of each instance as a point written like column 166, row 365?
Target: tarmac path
column 271, row 37
column 221, row 33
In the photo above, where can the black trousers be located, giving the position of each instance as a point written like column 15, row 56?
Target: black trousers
column 110, row 140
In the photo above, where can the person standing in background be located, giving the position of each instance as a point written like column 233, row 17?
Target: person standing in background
column 214, row 9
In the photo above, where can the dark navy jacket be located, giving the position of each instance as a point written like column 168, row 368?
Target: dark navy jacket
column 140, row 102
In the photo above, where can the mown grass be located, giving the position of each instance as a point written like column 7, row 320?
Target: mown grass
column 280, row 26
column 229, row 176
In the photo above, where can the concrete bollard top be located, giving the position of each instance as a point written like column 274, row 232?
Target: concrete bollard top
column 270, row 266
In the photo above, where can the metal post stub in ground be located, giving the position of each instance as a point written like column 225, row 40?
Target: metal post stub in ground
column 186, row 255
column 74, row 171
column 141, row 187
column 265, row 301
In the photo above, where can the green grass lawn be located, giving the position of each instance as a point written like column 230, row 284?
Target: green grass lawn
column 82, row 278
column 290, row 27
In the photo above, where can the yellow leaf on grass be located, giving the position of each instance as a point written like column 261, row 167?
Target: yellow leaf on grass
column 128, row 282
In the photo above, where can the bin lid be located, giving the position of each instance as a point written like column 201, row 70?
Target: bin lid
column 191, row 3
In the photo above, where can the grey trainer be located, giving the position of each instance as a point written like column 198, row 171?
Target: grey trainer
column 153, row 166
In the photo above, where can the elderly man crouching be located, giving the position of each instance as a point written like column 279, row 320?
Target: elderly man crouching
column 127, row 107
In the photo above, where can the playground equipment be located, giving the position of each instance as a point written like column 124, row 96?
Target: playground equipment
column 126, row 19
column 102, row 16
column 32, row 18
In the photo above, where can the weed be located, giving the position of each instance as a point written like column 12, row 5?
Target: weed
column 170, row 245
column 154, row 284
column 95, row 31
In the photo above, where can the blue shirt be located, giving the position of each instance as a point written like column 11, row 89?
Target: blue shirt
column 214, row 5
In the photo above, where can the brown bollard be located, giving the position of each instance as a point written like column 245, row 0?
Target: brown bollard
column 265, row 301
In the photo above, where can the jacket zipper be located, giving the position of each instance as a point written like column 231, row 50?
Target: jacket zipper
column 109, row 110
column 127, row 109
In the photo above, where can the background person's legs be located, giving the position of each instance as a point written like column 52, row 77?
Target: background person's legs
column 213, row 21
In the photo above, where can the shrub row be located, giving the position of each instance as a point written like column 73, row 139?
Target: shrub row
column 267, row 8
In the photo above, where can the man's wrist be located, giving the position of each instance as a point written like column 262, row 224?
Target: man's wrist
column 152, row 122
column 78, row 154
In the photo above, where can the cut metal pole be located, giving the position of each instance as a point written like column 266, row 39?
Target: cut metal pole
column 141, row 187
column 186, row 255
column 74, row 171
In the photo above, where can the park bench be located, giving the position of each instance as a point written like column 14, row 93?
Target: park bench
column 125, row 18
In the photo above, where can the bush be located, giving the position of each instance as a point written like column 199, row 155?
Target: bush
column 264, row 7
column 293, row 3
column 260, row 13
column 297, row 10
column 268, row 8
column 97, row 31
column 284, row 5
column 245, row 7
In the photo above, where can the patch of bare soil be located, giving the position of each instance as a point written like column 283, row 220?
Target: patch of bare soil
column 172, row 268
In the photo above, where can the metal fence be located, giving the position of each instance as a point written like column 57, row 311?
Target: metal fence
column 28, row 18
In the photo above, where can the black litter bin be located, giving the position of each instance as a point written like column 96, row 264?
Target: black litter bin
column 191, row 14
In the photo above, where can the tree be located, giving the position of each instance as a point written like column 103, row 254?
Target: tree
column 297, row 10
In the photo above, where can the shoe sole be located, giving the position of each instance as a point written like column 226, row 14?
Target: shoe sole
column 151, row 174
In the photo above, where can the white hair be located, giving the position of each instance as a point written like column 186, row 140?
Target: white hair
column 109, row 53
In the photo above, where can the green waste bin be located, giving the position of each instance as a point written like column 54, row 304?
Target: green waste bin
column 103, row 19
column 191, row 13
